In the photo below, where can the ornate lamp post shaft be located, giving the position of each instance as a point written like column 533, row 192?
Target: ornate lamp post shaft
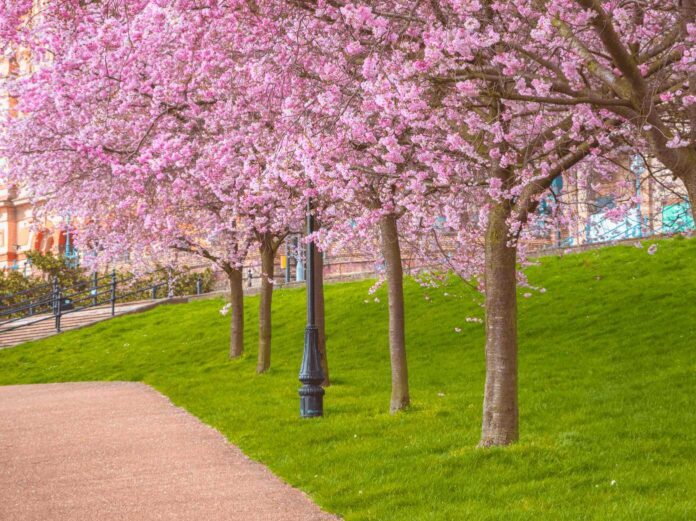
column 311, row 375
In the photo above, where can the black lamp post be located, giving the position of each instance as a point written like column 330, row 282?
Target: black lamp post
column 311, row 375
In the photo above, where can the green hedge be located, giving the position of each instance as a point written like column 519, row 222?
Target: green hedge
column 14, row 284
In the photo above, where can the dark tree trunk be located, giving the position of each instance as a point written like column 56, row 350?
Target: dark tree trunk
column 391, row 252
column 681, row 161
column 500, row 414
column 319, row 312
column 267, row 272
column 689, row 180
column 237, row 322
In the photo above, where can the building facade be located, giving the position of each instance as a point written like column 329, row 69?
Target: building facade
column 19, row 233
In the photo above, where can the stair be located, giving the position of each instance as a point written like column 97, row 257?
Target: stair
column 42, row 326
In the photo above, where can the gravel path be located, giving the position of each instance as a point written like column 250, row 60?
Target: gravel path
column 122, row 451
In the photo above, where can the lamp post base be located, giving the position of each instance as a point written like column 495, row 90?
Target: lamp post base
column 311, row 401
column 311, row 376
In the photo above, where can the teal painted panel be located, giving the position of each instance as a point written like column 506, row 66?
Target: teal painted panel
column 677, row 218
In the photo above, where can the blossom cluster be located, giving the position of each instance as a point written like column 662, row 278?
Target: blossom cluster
column 207, row 126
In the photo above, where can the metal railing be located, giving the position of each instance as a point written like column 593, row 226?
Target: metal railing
column 57, row 302
column 626, row 230
column 35, row 293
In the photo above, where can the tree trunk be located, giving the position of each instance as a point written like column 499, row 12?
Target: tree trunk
column 500, row 414
column 689, row 180
column 237, row 322
column 395, row 287
column 319, row 312
column 681, row 161
column 267, row 272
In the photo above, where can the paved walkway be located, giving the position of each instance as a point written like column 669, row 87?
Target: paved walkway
column 122, row 451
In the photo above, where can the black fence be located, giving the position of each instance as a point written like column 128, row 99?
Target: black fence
column 51, row 301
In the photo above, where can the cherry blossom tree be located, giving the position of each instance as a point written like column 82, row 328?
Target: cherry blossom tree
column 514, row 148
column 600, row 75
column 150, row 127
column 355, row 151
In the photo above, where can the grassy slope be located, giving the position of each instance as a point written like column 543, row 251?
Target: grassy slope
column 607, row 375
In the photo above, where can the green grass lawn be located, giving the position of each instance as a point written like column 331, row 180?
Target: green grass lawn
column 607, row 393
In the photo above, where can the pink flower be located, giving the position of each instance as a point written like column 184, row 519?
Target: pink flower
column 354, row 48
column 666, row 96
column 677, row 142
column 421, row 65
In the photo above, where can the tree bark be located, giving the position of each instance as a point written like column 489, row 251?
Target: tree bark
column 681, row 161
column 689, row 180
column 500, row 413
column 319, row 312
column 237, row 321
column 391, row 252
column 267, row 251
